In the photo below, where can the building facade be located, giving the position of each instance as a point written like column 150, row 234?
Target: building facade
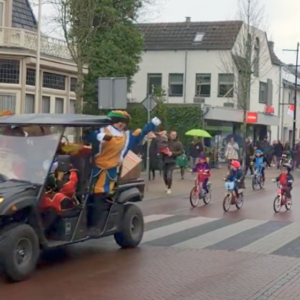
column 187, row 60
column 18, row 44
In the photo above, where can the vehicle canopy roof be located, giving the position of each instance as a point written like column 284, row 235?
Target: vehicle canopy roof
column 74, row 120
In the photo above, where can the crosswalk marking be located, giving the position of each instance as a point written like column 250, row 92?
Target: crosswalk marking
column 219, row 235
column 153, row 218
column 274, row 241
column 175, row 228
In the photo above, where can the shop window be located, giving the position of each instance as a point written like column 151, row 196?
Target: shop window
column 72, row 106
column 154, row 80
column 175, row 85
column 226, row 85
column 203, row 85
column 46, row 105
column 262, row 92
column 54, row 81
column 59, row 105
column 30, row 77
column 9, row 71
column 73, row 84
column 8, row 102
column 29, row 104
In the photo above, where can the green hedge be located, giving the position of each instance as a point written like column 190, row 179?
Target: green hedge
column 179, row 117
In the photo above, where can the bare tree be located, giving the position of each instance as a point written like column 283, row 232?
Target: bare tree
column 246, row 62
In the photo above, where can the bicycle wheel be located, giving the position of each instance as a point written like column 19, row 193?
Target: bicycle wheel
column 277, row 204
column 239, row 203
column 227, row 202
column 255, row 183
column 261, row 182
column 207, row 197
column 288, row 204
column 194, row 197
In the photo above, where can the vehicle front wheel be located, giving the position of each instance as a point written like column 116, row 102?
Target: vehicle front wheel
column 19, row 252
column 132, row 227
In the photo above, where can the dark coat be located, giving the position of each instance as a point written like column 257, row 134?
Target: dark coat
column 176, row 148
column 153, row 155
column 196, row 149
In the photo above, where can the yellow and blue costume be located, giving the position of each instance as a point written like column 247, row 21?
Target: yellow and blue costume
column 110, row 146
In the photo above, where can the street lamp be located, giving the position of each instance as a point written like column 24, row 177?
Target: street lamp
column 295, row 99
column 38, row 57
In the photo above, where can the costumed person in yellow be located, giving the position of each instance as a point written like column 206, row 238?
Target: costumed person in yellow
column 110, row 146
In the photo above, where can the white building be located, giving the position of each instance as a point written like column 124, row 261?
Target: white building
column 287, row 104
column 18, row 44
column 186, row 60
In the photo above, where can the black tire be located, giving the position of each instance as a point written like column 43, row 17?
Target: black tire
column 194, row 202
column 275, row 206
column 19, row 251
column 132, row 227
column 207, row 197
column 254, row 182
column 239, row 204
column 288, row 205
column 225, row 201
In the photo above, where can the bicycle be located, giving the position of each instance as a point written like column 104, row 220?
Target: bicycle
column 281, row 200
column 230, row 197
column 258, row 179
column 197, row 192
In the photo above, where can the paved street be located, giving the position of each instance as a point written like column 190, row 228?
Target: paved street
column 200, row 253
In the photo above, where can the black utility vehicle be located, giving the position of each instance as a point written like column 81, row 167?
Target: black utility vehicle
column 29, row 144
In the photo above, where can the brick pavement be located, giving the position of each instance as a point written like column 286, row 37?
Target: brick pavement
column 163, row 274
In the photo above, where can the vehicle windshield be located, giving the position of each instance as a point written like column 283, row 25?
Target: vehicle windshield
column 26, row 153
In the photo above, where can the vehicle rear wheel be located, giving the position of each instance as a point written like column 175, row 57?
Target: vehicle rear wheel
column 132, row 227
column 19, row 249
column 227, row 202
column 194, row 197
column 277, row 204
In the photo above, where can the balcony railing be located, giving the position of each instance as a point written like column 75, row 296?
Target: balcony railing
column 20, row 38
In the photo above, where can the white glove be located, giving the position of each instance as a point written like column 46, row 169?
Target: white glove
column 156, row 121
column 100, row 136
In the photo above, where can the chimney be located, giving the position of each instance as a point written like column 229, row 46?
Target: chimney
column 271, row 45
column 188, row 19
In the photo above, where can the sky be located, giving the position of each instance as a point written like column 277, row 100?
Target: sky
column 282, row 18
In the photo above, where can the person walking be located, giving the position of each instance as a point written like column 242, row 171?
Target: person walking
column 169, row 160
column 232, row 151
column 153, row 155
column 182, row 163
column 278, row 150
column 249, row 153
column 195, row 151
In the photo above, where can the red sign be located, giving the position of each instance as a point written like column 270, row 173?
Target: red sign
column 269, row 110
column 251, row 117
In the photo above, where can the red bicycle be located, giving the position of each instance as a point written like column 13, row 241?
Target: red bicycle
column 281, row 199
column 198, row 192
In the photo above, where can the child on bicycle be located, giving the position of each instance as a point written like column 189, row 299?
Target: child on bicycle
column 203, row 169
column 286, row 179
column 259, row 161
column 236, row 174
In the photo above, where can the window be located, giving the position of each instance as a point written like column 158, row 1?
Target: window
column 72, row 106
column 226, row 85
column 29, row 104
column 59, row 105
column 46, row 105
column 198, row 37
column 202, row 85
column 1, row 14
column 73, row 83
column 154, row 80
column 54, row 81
column 8, row 102
column 30, row 77
column 262, row 92
column 9, row 71
column 175, row 85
